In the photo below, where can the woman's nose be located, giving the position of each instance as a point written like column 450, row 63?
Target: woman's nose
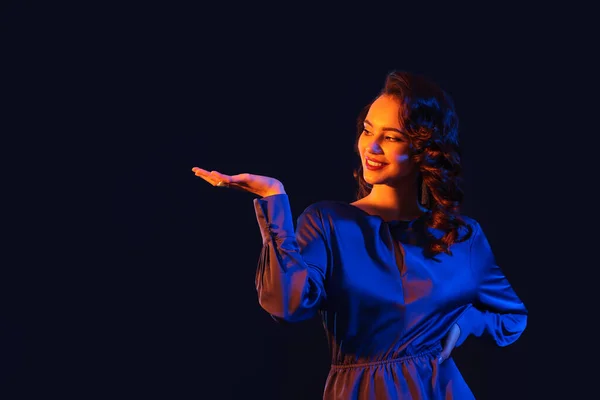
column 374, row 147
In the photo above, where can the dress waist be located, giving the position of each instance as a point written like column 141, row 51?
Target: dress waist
column 427, row 353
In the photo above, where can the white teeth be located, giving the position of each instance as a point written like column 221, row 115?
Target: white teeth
column 374, row 164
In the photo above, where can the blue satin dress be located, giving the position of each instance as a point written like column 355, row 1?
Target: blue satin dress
column 385, row 307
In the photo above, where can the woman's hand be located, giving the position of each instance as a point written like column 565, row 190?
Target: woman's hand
column 449, row 343
column 257, row 184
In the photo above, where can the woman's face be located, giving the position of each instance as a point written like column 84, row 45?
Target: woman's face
column 382, row 143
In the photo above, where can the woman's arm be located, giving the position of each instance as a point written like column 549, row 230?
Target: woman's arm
column 292, row 266
column 498, row 312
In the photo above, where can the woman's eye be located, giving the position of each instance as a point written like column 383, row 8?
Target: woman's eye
column 389, row 138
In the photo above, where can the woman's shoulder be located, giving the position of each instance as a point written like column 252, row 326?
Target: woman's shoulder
column 334, row 210
column 470, row 221
column 328, row 206
column 466, row 229
column 470, row 229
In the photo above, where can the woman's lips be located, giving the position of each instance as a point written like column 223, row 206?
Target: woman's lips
column 373, row 165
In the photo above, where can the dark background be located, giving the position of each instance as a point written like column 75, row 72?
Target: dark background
column 128, row 277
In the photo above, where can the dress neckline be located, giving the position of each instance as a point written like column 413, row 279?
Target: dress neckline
column 391, row 222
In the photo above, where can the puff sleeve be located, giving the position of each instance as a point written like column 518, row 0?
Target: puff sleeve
column 497, row 312
column 291, row 271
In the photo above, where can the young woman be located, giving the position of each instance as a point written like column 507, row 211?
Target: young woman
column 399, row 276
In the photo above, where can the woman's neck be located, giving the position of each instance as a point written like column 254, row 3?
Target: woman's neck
column 392, row 203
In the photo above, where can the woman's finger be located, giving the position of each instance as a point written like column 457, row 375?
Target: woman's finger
column 212, row 177
column 200, row 172
column 220, row 177
column 449, row 343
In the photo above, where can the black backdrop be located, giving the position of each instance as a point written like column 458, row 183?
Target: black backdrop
column 135, row 279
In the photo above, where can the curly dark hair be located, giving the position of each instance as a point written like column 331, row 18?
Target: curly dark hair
column 428, row 117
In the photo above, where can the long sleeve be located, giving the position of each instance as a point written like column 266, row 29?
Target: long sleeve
column 292, row 266
column 498, row 312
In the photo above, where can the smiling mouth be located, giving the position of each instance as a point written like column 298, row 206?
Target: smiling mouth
column 373, row 163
